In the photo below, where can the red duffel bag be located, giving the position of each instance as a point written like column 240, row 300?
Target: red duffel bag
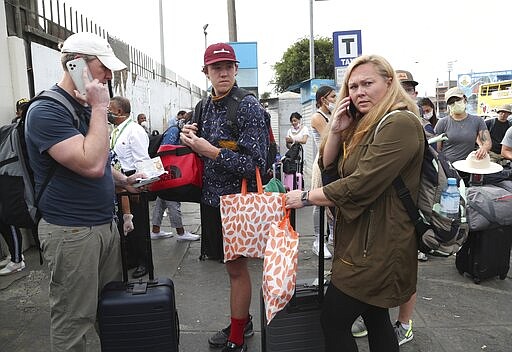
column 184, row 176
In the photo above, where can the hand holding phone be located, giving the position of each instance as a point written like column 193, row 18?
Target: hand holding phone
column 352, row 109
column 76, row 71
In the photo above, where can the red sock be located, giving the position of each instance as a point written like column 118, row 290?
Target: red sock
column 237, row 330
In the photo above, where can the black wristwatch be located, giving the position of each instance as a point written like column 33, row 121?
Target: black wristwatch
column 304, row 197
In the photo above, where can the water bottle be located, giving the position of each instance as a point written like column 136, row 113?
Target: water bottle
column 450, row 200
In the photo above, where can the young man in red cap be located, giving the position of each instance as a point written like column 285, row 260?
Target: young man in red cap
column 230, row 154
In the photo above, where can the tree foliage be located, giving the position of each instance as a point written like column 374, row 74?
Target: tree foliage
column 294, row 65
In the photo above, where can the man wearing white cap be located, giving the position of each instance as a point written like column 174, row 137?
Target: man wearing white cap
column 83, row 249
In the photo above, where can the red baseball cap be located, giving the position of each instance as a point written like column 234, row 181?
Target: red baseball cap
column 219, row 52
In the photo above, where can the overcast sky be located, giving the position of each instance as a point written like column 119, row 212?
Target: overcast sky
column 419, row 36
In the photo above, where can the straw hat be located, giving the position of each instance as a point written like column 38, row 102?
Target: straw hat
column 472, row 165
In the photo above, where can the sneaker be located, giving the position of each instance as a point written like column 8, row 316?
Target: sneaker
column 12, row 267
column 161, row 234
column 188, row 236
column 331, row 240
column 422, row 257
column 7, row 260
column 220, row 338
column 402, row 334
column 358, row 328
column 232, row 347
column 440, row 253
column 327, row 254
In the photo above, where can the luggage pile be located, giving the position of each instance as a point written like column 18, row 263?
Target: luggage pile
column 486, row 253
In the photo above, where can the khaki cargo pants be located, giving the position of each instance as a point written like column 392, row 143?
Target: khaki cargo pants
column 81, row 261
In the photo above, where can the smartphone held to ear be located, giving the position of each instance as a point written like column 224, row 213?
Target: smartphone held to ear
column 352, row 109
column 76, row 71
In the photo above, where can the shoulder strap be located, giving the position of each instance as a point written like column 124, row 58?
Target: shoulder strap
column 388, row 115
column 401, row 189
column 233, row 101
column 198, row 112
column 323, row 114
column 62, row 100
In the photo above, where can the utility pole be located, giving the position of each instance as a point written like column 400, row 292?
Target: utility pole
column 205, row 46
column 162, row 50
column 311, row 43
column 232, row 21
column 450, row 68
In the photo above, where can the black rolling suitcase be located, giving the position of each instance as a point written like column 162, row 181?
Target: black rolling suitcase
column 141, row 315
column 297, row 327
column 486, row 254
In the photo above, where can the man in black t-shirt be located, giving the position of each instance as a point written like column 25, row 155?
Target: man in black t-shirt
column 497, row 128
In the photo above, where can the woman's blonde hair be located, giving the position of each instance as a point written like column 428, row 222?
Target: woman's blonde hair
column 395, row 98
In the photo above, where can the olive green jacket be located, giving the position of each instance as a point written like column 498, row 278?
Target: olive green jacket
column 375, row 258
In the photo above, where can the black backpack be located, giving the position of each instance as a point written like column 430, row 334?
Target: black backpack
column 292, row 161
column 154, row 144
column 18, row 201
column 233, row 101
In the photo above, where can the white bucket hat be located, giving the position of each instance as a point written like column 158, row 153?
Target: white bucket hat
column 472, row 165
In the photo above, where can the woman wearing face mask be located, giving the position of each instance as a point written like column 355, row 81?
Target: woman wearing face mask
column 325, row 102
column 429, row 118
column 462, row 129
column 298, row 133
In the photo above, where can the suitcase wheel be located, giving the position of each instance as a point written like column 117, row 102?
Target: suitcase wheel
column 476, row 280
column 503, row 276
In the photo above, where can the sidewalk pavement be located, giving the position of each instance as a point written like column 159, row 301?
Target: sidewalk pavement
column 452, row 313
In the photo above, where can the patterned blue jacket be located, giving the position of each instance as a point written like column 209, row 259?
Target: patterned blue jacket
column 242, row 148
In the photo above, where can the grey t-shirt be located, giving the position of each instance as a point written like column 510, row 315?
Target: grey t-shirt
column 507, row 140
column 461, row 135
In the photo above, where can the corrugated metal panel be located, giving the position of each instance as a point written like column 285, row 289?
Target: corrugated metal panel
column 309, row 148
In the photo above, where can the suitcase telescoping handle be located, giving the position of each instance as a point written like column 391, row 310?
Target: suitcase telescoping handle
column 144, row 204
column 321, row 240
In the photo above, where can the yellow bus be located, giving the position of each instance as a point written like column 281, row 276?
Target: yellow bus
column 492, row 95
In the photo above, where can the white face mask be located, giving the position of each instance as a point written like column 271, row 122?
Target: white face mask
column 144, row 124
column 331, row 107
column 428, row 115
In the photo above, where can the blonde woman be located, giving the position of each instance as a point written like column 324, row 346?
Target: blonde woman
column 375, row 254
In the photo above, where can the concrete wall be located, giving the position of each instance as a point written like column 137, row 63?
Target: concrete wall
column 13, row 80
column 156, row 99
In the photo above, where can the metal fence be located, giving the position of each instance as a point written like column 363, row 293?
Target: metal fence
column 49, row 22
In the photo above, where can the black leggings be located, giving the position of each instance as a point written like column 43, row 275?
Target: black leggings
column 339, row 312
column 12, row 236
